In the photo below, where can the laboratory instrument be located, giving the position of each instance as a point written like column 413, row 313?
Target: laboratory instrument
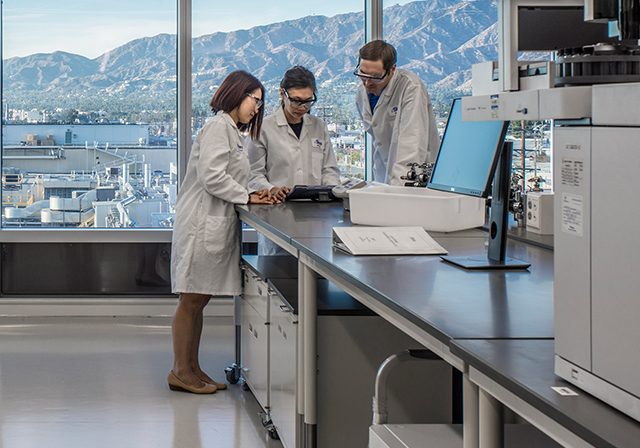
column 342, row 191
column 591, row 90
column 539, row 212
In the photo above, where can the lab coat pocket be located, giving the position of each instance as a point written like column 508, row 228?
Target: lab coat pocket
column 221, row 234
column 317, row 162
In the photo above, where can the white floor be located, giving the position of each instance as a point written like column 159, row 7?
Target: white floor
column 101, row 382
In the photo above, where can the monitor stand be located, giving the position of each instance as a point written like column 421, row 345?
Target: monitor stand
column 496, row 253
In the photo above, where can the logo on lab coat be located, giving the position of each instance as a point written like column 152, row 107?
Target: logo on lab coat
column 394, row 111
column 239, row 147
column 317, row 143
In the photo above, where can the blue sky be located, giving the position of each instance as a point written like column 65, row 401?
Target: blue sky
column 91, row 28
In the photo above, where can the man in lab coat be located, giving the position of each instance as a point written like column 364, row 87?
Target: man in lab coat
column 396, row 110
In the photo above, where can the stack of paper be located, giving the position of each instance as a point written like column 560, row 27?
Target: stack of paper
column 385, row 241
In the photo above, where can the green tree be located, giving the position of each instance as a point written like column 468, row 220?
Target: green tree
column 70, row 116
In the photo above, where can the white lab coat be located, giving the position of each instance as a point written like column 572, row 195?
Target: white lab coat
column 205, row 255
column 278, row 158
column 403, row 126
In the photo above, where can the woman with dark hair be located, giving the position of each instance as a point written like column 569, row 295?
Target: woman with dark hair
column 205, row 252
column 294, row 147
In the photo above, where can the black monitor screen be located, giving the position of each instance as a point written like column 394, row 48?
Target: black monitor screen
column 468, row 154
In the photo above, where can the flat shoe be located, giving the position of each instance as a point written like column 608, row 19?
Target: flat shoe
column 176, row 384
column 219, row 386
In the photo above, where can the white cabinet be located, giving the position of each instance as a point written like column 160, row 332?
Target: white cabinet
column 284, row 334
column 352, row 343
column 254, row 337
column 268, row 355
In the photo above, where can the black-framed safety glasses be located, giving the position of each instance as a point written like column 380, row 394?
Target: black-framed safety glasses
column 370, row 78
column 301, row 103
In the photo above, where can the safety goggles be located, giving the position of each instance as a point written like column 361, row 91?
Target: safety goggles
column 370, row 78
column 301, row 103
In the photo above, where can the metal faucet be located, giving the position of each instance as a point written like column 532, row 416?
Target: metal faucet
column 516, row 199
column 415, row 178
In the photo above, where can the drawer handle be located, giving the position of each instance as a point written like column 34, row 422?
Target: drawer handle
column 284, row 308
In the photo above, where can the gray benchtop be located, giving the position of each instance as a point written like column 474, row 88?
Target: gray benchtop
column 525, row 368
column 297, row 219
column 281, row 272
column 446, row 301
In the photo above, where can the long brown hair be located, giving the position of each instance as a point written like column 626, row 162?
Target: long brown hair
column 232, row 92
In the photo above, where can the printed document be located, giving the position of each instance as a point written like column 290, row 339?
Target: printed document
column 385, row 241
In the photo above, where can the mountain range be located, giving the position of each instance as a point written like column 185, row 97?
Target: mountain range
column 437, row 39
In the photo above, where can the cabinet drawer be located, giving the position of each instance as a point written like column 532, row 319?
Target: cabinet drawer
column 256, row 293
column 255, row 353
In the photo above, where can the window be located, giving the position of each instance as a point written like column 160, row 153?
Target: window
column 440, row 43
column 324, row 37
column 89, row 113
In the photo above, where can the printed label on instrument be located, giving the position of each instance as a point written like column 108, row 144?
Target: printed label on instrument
column 572, row 172
column 572, row 214
column 495, row 107
column 565, row 391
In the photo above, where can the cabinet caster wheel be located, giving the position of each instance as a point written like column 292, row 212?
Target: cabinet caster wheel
column 232, row 376
column 273, row 434
column 245, row 386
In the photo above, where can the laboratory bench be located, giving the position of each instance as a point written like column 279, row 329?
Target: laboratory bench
column 434, row 303
column 444, row 301
column 281, row 274
column 520, row 374
column 352, row 342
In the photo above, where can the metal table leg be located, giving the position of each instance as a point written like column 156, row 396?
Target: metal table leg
column 300, row 430
column 309, row 321
column 470, row 426
column 491, row 421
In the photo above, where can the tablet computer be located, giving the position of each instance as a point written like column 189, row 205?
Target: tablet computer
column 320, row 193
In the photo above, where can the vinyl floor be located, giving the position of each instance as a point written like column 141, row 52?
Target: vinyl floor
column 101, row 382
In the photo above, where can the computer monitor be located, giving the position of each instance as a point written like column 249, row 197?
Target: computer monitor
column 468, row 155
column 474, row 160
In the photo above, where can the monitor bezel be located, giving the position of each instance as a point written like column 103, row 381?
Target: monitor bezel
column 486, row 191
